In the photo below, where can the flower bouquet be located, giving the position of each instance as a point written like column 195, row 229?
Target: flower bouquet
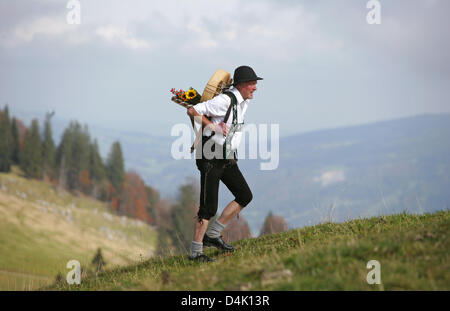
column 187, row 98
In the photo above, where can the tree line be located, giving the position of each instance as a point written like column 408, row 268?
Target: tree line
column 74, row 165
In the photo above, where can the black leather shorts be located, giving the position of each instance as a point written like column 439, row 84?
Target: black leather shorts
column 211, row 173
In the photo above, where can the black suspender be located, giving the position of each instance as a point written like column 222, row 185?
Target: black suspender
column 232, row 105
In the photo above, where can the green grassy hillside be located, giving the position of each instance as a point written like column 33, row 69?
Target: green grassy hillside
column 42, row 228
column 413, row 251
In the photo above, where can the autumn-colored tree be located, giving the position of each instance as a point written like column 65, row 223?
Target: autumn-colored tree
column 85, row 182
column 22, row 131
column 237, row 229
column 273, row 224
column 115, row 203
column 31, row 157
column 133, row 199
column 163, row 211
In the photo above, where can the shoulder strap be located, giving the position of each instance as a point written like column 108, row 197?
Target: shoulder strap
column 227, row 115
column 233, row 103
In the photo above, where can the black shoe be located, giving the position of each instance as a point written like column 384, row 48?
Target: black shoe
column 201, row 258
column 218, row 243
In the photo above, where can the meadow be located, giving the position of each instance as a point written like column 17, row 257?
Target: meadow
column 43, row 227
column 413, row 252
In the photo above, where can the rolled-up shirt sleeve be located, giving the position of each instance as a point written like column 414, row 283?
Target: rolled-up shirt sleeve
column 215, row 107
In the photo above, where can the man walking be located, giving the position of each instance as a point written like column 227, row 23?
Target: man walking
column 216, row 160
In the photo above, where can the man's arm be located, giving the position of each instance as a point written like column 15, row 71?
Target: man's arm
column 221, row 127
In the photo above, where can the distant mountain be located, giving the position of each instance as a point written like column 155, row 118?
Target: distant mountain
column 335, row 174
column 366, row 170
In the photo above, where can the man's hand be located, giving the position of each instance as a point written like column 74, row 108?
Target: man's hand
column 219, row 128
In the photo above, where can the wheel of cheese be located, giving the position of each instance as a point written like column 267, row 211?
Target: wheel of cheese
column 219, row 80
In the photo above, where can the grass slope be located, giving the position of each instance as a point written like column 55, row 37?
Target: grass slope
column 413, row 251
column 41, row 229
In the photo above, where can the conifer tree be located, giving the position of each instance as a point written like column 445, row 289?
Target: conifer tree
column 96, row 170
column 115, row 167
column 98, row 261
column 80, row 156
column 73, row 155
column 5, row 141
column 63, row 157
column 48, row 148
column 153, row 198
column 15, row 156
column 31, row 157
column 96, row 165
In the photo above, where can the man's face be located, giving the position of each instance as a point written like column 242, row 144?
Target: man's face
column 247, row 89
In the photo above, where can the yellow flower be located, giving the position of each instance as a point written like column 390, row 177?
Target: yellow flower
column 191, row 94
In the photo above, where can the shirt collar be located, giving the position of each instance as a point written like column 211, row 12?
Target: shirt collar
column 238, row 95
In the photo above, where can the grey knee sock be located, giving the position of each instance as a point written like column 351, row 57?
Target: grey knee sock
column 215, row 230
column 196, row 249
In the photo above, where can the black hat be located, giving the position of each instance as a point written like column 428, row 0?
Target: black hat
column 244, row 74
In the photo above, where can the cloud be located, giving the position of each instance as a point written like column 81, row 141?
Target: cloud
column 31, row 26
column 330, row 177
column 341, row 70
column 202, row 37
column 265, row 28
column 269, row 29
column 412, row 35
column 119, row 34
column 272, row 30
column 26, row 32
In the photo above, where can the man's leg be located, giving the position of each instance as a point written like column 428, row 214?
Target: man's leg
column 200, row 229
column 210, row 178
column 197, row 242
column 235, row 182
column 232, row 209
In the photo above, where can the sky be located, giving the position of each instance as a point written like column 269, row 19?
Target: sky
column 323, row 64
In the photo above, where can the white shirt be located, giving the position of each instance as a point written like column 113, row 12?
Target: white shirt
column 216, row 109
